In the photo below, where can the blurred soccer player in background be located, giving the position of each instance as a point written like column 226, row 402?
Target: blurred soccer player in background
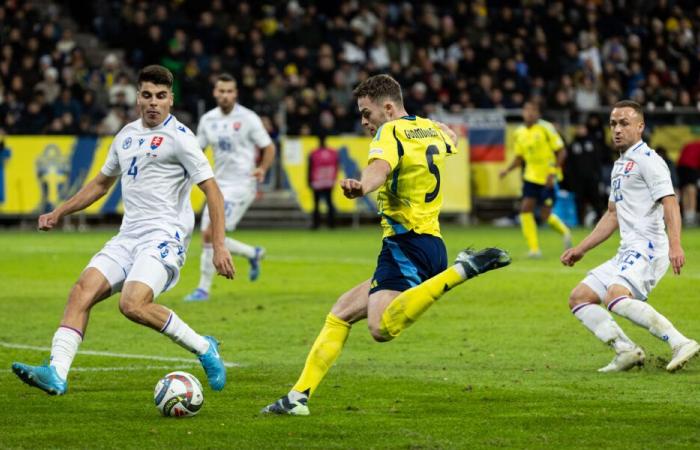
column 539, row 146
column 235, row 134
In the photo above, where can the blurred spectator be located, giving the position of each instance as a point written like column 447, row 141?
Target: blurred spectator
column 322, row 173
column 688, row 174
column 583, row 175
column 49, row 85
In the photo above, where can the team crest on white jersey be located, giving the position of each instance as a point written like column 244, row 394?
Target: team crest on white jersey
column 628, row 167
column 156, row 141
column 236, row 126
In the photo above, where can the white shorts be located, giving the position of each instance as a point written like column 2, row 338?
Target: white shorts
column 236, row 203
column 638, row 269
column 153, row 258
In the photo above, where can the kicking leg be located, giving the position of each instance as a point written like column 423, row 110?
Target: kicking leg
column 390, row 312
column 620, row 301
column 350, row 308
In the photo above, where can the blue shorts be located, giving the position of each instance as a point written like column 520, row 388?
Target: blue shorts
column 408, row 259
column 541, row 193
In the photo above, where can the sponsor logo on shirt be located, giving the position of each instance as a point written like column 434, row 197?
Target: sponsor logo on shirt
column 141, row 141
column 127, row 143
column 156, row 141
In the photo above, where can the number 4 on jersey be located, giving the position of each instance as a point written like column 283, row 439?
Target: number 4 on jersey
column 133, row 169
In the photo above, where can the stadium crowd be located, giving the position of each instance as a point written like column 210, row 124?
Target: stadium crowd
column 572, row 56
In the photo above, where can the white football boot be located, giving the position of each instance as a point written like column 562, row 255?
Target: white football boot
column 682, row 354
column 625, row 360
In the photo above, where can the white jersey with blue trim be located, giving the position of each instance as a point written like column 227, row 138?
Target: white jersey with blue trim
column 639, row 179
column 235, row 138
column 157, row 167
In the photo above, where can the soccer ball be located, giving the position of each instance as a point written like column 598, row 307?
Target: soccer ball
column 178, row 394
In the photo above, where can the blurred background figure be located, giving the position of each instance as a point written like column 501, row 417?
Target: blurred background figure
column 688, row 172
column 323, row 171
column 583, row 175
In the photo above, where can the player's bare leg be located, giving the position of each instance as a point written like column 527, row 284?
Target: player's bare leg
column 351, row 307
column 586, row 306
column 620, row 300
column 91, row 288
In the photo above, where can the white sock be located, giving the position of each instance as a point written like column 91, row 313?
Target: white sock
column 206, row 268
column 689, row 217
column 460, row 269
column 63, row 349
column 239, row 248
column 183, row 335
column 603, row 326
column 644, row 315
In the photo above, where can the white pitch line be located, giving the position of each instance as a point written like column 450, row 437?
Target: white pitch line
column 109, row 354
column 117, row 369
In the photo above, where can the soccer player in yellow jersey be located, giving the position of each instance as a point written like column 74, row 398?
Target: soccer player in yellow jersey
column 539, row 146
column 406, row 160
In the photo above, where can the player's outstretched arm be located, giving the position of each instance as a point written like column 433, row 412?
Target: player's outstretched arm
column 672, row 217
column 215, row 202
column 86, row 196
column 372, row 178
column 266, row 160
column 517, row 162
column 603, row 230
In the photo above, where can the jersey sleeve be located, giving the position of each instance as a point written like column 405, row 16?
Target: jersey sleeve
column 259, row 134
column 111, row 166
column 192, row 158
column 656, row 176
column 385, row 146
column 202, row 135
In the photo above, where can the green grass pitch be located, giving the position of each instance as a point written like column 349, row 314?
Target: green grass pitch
column 499, row 362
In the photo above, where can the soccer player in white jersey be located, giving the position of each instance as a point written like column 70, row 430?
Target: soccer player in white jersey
column 236, row 134
column 158, row 160
column 641, row 200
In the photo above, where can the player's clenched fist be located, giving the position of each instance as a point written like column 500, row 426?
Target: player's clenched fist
column 48, row 221
column 351, row 188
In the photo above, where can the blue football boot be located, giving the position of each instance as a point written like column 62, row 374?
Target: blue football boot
column 198, row 295
column 42, row 377
column 213, row 365
column 255, row 263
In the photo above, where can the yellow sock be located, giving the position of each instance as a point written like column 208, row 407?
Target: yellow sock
column 324, row 352
column 529, row 226
column 408, row 306
column 555, row 222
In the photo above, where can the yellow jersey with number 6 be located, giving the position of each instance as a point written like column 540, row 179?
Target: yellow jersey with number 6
column 411, row 197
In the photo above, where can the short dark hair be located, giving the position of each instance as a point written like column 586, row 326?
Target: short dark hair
column 630, row 104
column 379, row 87
column 226, row 77
column 157, row 75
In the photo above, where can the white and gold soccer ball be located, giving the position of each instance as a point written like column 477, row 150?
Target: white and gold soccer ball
column 178, row 394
